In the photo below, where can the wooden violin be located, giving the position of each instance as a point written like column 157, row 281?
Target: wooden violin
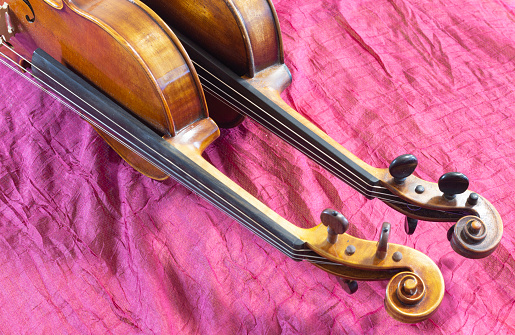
column 237, row 49
column 149, row 106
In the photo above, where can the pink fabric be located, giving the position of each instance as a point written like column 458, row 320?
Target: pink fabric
column 89, row 246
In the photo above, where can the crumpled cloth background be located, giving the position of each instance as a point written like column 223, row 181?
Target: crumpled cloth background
column 90, row 246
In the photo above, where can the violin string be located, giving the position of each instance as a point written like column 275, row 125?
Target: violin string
column 377, row 194
column 286, row 249
column 293, row 253
column 327, row 166
column 396, row 200
column 278, row 131
column 293, row 143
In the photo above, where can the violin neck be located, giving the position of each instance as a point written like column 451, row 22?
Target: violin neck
column 272, row 113
column 179, row 161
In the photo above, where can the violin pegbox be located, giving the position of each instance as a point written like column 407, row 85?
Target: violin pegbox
column 416, row 286
column 480, row 229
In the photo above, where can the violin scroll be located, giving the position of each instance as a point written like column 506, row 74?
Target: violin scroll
column 416, row 286
column 455, row 203
column 405, row 298
column 471, row 237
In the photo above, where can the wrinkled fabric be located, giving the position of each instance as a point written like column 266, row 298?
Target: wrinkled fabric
column 90, row 246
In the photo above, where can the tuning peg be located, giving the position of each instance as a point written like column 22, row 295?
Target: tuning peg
column 382, row 246
column 336, row 224
column 410, row 224
column 402, row 167
column 349, row 286
column 453, row 183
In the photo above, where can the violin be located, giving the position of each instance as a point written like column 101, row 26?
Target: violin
column 237, row 50
column 149, row 106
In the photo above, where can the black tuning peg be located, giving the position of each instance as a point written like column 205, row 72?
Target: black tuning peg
column 402, row 167
column 350, row 286
column 410, row 225
column 453, row 183
column 336, row 224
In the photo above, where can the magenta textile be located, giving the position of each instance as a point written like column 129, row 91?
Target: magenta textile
column 90, row 246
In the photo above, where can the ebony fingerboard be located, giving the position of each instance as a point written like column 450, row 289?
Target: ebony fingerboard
column 217, row 78
column 105, row 114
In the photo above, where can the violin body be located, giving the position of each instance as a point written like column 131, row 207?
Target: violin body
column 158, row 85
column 244, row 35
column 177, row 269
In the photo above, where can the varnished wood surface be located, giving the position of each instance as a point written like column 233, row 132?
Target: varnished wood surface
column 272, row 80
column 458, row 291
column 243, row 34
column 180, row 156
column 157, row 84
column 365, row 265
